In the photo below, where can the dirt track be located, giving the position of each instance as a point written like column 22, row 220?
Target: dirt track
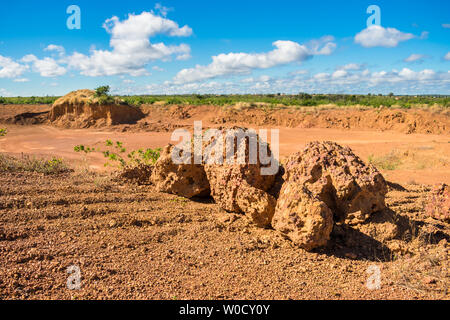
column 133, row 242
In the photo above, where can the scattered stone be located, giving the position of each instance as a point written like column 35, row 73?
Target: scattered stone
column 438, row 203
column 429, row 280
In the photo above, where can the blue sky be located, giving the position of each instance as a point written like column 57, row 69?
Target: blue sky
column 166, row 47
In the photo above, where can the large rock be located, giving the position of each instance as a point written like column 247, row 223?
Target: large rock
column 323, row 184
column 82, row 109
column 352, row 189
column 438, row 203
column 186, row 180
column 240, row 185
column 302, row 217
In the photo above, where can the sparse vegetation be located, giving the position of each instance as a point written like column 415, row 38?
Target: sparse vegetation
column 390, row 161
column 115, row 154
column 3, row 132
column 32, row 164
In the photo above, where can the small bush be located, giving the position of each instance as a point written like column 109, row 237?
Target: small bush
column 102, row 91
column 3, row 132
column 114, row 153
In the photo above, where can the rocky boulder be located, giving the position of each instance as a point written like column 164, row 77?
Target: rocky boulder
column 326, row 183
column 302, row 217
column 352, row 189
column 185, row 180
column 238, row 182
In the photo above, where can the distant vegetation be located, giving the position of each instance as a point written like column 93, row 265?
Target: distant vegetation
column 302, row 99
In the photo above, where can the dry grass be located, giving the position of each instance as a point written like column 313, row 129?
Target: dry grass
column 32, row 164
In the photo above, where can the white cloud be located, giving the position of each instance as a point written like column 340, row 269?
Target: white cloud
column 405, row 81
column 339, row 74
column 162, row 10
column 21, row 80
column 446, row 25
column 5, row 93
column 447, row 56
column 351, row 66
column 131, row 47
column 128, row 81
column 46, row 67
column 322, row 46
column 185, row 56
column 10, row 68
column 59, row 49
column 377, row 36
column 424, row 35
column 241, row 63
column 156, row 68
column 415, row 58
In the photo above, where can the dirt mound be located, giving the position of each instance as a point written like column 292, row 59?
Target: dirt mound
column 324, row 183
column 185, row 180
column 405, row 121
column 28, row 118
column 438, row 203
column 81, row 109
column 139, row 174
column 238, row 182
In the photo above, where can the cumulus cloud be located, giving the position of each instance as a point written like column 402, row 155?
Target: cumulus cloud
column 46, row 67
column 404, row 81
column 131, row 46
column 415, row 58
column 10, row 69
column 447, row 56
column 351, row 66
column 59, row 49
column 378, row 36
column 241, row 63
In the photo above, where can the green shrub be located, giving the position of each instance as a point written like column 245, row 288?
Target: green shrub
column 3, row 132
column 114, row 154
column 102, row 91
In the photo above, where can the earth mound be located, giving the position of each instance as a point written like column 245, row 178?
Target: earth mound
column 82, row 109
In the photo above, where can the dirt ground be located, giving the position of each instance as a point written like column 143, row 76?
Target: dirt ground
column 131, row 242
